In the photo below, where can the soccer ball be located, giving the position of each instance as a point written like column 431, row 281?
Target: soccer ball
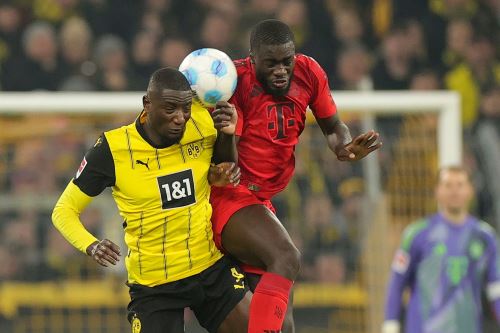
column 211, row 74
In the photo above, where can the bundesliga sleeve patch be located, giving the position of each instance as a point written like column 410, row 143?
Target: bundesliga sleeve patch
column 81, row 168
column 401, row 262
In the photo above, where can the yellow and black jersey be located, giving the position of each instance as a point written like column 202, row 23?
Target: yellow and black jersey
column 162, row 195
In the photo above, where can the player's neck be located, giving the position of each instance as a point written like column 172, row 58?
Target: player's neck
column 455, row 217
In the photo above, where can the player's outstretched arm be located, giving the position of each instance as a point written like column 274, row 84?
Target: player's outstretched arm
column 225, row 118
column 341, row 143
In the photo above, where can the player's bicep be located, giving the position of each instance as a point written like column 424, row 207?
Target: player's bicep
column 322, row 103
column 97, row 170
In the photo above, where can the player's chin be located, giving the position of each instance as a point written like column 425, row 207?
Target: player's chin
column 275, row 91
column 175, row 135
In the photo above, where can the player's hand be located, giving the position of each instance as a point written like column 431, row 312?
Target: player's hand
column 359, row 147
column 104, row 252
column 225, row 117
column 223, row 174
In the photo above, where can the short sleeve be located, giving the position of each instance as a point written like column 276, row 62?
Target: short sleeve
column 322, row 103
column 97, row 169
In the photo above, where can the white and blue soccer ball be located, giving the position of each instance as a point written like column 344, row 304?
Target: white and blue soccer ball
column 211, row 74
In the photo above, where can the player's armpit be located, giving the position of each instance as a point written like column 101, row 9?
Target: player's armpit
column 66, row 217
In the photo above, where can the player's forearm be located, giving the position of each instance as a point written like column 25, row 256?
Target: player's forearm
column 394, row 299
column 66, row 217
column 225, row 149
column 342, row 131
column 336, row 132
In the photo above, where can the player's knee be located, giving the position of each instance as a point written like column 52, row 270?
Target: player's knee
column 294, row 261
column 287, row 261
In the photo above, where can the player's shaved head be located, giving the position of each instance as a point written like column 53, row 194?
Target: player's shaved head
column 168, row 78
column 270, row 32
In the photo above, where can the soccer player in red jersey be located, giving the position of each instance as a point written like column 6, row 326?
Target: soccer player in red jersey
column 275, row 87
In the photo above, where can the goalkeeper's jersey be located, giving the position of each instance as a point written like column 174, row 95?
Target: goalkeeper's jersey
column 162, row 195
column 446, row 266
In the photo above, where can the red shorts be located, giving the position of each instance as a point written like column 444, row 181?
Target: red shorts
column 225, row 202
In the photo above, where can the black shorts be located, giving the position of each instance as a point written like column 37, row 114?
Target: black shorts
column 211, row 294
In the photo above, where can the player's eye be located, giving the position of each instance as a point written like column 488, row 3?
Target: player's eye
column 270, row 64
column 287, row 61
column 168, row 108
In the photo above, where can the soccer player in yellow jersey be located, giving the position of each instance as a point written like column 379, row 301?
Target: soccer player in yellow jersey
column 159, row 168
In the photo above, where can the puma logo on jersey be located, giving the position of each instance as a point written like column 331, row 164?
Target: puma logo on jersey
column 146, row 164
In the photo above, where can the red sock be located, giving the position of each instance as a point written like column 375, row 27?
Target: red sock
column 269, row 303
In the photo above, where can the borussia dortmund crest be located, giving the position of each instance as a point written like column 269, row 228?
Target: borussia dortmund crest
column 194, row 149
column 136, row 325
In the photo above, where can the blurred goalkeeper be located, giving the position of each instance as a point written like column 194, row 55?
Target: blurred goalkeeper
column 446, row 260
column 159, row 168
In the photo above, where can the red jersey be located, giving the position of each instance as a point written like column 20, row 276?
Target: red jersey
column 269, row 126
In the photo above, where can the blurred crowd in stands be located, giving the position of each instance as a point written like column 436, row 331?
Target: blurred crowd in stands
column 114, row 45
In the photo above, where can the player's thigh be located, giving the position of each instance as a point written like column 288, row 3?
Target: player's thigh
column 255, row 236
column 164, row 321
column 226, row 300
column 237, row 319
column 288, row 324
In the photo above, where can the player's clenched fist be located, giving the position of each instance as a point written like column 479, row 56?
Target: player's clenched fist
column 104, row 252
column 225, row 117
column 223, row 174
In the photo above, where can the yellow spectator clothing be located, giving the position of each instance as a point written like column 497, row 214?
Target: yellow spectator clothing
column 461, row 79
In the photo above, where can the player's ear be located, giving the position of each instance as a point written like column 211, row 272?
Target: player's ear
column 145, row 102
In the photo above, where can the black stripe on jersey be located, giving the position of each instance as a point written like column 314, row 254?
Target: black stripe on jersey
column 208, row 226
column 187, row 239
column 182, row 153
column 130, row 149
column 197, row 128
column 158, row 159
column 163, row 247
column 139, row 245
